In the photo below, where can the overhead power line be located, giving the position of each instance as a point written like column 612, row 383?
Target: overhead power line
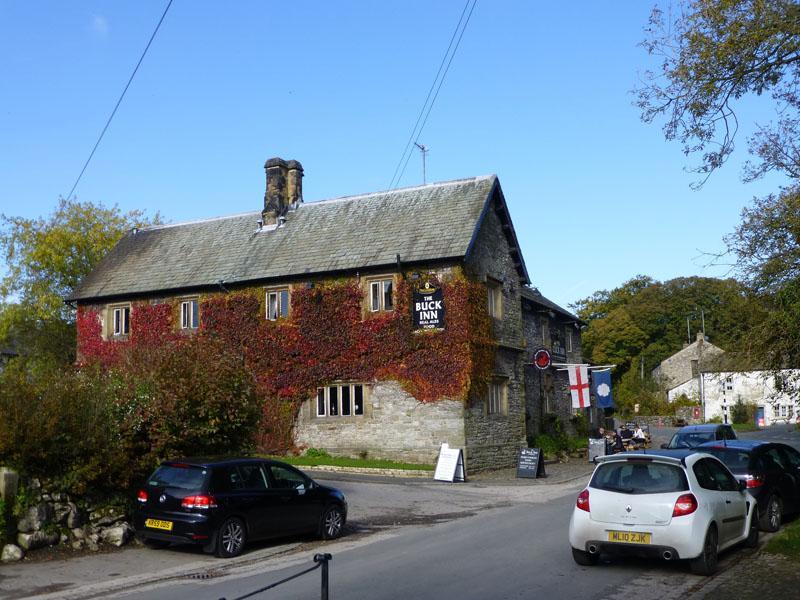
column 113, row 112
column 417, row 131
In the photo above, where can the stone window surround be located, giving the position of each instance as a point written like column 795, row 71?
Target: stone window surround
column 494, row 297
column 190, row 313
column 282, row 302
column 322, row 411
column 496, row 401
column 375, row 290
column 119, row 321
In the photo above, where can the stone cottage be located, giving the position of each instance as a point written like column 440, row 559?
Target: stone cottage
column 381, row 242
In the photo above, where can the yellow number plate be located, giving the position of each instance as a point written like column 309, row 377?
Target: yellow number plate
column 628, row 537
column 157, row 524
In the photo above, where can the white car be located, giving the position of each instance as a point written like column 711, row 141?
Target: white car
column 670, row 504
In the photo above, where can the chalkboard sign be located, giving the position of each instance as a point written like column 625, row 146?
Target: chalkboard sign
column 450, row 465
column 530, row 463
column 597, row 448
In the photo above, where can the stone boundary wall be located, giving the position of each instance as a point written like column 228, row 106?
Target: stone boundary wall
column 57, row 519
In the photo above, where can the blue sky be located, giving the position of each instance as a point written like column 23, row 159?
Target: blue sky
column 538, row 93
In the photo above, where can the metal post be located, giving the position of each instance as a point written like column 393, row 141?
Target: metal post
column 323, row 560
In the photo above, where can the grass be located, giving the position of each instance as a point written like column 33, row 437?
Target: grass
column 313, row 461
column 786, row 542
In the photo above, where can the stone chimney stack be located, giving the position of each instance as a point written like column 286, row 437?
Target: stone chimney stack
column 295, row 185
column 284, row 188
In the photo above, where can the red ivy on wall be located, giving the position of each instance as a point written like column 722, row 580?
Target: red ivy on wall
column 324, row 340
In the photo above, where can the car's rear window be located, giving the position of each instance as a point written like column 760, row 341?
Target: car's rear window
column 639, row 477
column 737, row 461
column 185, row 478
column 691, row 439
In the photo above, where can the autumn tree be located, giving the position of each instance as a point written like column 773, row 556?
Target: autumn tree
column 45, row 259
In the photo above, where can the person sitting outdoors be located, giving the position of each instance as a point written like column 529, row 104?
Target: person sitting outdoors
column 615, row 442
column 625, row 433
column 599, row 433
column 640, row 437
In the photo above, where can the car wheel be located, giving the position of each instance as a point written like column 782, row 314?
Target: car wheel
column 772, row 516
column 332, row 522
column 752, row 534
column 231, row 538
column 155, row 544
column 706, row 563
column 584, row 558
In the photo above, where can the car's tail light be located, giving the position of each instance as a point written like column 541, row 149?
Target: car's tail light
column 685, row 505
column 754, row 481
column 142, row 497
column 583, row 500
column 202, row 502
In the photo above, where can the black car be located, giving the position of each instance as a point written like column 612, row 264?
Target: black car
column 221, row 503
column 772, row 473
column 692, row 436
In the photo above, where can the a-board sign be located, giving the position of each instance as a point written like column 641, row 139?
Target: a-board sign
column 530, row 463
column 450, row 465
column 597, row 448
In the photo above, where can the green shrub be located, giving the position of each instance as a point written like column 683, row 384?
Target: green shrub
column 316, row 453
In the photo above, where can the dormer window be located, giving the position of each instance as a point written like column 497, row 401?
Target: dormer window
column 189, row 314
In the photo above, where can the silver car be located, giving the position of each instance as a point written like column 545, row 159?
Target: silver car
column 669, row 504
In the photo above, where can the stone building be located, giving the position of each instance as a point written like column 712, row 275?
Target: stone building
column 457, row 230
column 686, row 365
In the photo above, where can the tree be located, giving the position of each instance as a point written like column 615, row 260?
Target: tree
column 45, row 259
column 767, row 249
column 713, row 53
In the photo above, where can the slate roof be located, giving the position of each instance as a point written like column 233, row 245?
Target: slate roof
column 535, row 296
column 422, row 224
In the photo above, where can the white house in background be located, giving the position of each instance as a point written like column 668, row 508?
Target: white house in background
column 718, row 392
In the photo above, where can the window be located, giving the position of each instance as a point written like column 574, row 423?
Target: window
column 189, row 314
column 277, row 304
column 544, row 324
column 380, row 296
column 496, row 400
column 340, row 400
column 495, row 298
column 122, row 321
column 729, row 383
column 568, row 340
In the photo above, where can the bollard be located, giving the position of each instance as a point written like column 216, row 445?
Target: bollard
column 323, row 560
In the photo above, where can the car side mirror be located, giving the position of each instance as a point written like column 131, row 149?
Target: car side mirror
column 742, row 485
column 664, row 446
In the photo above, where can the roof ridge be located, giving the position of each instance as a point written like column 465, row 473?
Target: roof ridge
column 405, row 189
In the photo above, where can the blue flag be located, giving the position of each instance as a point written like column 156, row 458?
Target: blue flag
column 602, row 387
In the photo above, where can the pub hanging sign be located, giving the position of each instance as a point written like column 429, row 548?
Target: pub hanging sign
column 428, row 310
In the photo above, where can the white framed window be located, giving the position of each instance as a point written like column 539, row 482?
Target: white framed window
column 380, row 295
column 340, row 400
column 189, row 314
column 568, row 339
column 496, row 398
column 776, row 411
column 122, row 320
column 277, row 302
column 494, row 293
column 544, row 325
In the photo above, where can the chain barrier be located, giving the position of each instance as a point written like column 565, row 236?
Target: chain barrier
column 321, row 560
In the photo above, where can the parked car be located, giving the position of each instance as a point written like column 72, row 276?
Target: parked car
column 692, row 436
column 669, row 504
column 222, row 503
column 771, row 471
